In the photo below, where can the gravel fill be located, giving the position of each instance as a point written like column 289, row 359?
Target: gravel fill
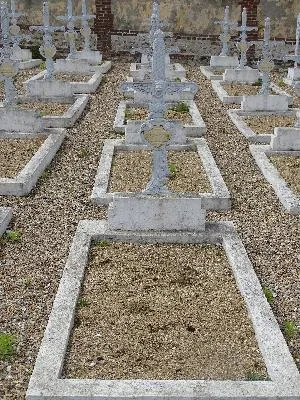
column 142, row 113
column 15, row 154
column 46, row 108
column 289, row 169
column 68, row 77
column 131, row 171
column 19, row 79
column 165, row 312
column 47, row 218
column 266, row 123
column 241, row 90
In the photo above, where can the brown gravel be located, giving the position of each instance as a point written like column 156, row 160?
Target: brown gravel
column 131, row 172
column 241, row 90
column 15, row 154
column 165, row 312
column 46, row 108
column 19, row 79
column 289, row 169
column 142, row 113
column 68, row 77
column 266, row 123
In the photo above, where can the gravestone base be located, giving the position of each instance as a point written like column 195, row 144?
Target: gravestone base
column 224, row 61
column 140, row 72
column 293, row 76
column 24, row 59
column 265, row 103
column 163, row 213
column 93, row 57
column 16, row 120
column 210, row 74
column 286, row 138
column 72, row 66
column 244, row 75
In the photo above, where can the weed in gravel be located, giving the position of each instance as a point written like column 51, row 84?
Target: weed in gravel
column 104, row 79
column 290, row 328
column 13, row 236
column 269, row 294
column 173, row 170
column 42, row 66
column 6, row 345
column 181, row 108
column 83, row 153
column 257, row 83
column 103, row 243
column 82, row 302
column 281, row 83
column 254, row 376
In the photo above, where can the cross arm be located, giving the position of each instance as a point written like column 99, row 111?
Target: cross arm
column 137, row 86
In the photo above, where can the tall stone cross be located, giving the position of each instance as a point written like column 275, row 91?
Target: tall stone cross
column 8, row 68
column 48, row 50
column 296, row 56
column 85, row 28
column 266, row 64
column 71, row 34
column 225, row 36
column 157, row 131
column 243, row 45
column 14, row 28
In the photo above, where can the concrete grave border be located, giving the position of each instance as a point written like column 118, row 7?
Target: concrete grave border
column 286, row 196
column 218, row 199
column 23, row 183
column 173, row 71
column 35, row 62
column 80, row 66
column 196, row 129
column 5, row 217
column 227, row 99
column 237, row 117
column 46, row 381
column 34, row 85
column 208, row 72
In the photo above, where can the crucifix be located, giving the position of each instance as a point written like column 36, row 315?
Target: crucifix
column 266, row 64
column 85, row 28
column 156, row 130
column 48, row 50
column 14, row 28
column 243, row 45
column 8, row 68
column 296, row 56
column 71, row 34
column 225, row 37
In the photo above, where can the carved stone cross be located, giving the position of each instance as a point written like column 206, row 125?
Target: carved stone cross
column 266, row 64
column 85, row 28
column 48, row 50
column 14, row 28
column 243, row 45
column 227, row 26
column 296, row 56
column 71, row 34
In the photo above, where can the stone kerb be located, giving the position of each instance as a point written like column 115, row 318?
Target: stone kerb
column 24, row 59
column 265, row 103
column 196, row 129
column 218, row 87
column 212, row 73
column 243, row 75
column 23, row 183
column 286, row 138
column 173, row 71
column 92, row 57
column 261, row 154
column 16, row 120
column 293, row 77
column 40, row 88
column 217, row 199
column 46, row 381
column 238, row 116
column 5, row 217
column 80, row 66
column 224, row 62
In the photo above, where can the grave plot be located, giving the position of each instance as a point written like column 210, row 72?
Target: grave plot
column 18, row 81
column 26, row 157
column 130, row 116
column 258, row 127
column 206, row 184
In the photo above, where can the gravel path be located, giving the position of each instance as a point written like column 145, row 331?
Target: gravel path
column 31, row 267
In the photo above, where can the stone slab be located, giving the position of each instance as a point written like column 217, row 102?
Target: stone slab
column 286, row 138
column 93, row 57
column 217, row 199
column 244, row 75
column 24, row 182
column 5, row 217
column 261, row 154
column 224, row 61
column 173, row 71
column 163, row 213
column 46, row 381
column 265, row 103
column 19, row 54
column 80, row 66
column 29, row 64
column 16, row 120
column 196, row 129
column 209, row 73
column 238, row 116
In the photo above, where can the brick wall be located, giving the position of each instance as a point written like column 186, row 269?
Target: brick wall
column 103, row 25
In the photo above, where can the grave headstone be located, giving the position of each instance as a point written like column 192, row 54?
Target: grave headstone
column 266, row 64
column 223, row 60
column 294, row 73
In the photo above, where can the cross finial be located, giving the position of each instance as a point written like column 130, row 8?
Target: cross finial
column 225, row 36
column 296, row 56
column 266, row 64
column 71, row 33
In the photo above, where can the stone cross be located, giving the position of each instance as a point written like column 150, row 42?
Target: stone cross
column 14, row 28
column 71, row 33
column 296, row 56
column 48, row 50
column 85, row 28
column 266, row 64
column 8, row 68
column 156, row 130
column 242, row 45
column 225, row 37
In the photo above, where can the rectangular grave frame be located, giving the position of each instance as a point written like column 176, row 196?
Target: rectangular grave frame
column 5, row 217
column 237, row 117
column 218, row 87
column 218, row 199
column 196, row 129
column 261, row 153
column 70, row 66
column 209, row 73
column 27, row 178
column 45, row 382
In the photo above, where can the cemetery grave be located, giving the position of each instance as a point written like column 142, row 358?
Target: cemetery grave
column 187, row 284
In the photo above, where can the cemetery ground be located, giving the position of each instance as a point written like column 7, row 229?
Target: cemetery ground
column 44, row 223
